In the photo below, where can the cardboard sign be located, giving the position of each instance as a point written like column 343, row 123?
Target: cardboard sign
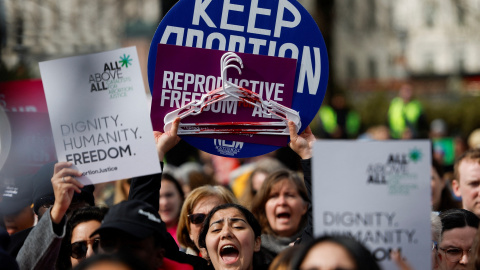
column 280, row 28
column 99, row 115
column 185, row 74
column 377, row 192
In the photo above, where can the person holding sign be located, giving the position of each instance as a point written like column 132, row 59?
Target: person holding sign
column 283, row 203
column 41, row 248
column 54, row 199
column 459, row 227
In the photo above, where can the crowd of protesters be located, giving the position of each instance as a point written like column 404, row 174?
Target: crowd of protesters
column 186, row 218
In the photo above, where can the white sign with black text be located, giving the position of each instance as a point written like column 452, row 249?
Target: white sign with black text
column 378, row 193
column 100, row 115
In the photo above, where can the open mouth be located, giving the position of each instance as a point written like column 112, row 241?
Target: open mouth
column 283, row 215
column 229, row 254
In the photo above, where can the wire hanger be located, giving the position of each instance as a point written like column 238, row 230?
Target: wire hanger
column 232, row 92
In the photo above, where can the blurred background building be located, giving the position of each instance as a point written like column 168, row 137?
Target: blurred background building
column 374, row 47
column 34, row 31
column 380, row 41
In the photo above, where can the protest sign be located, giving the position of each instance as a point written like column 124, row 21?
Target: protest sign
column 185, row 74
column 280, row 28
column 99, row 115
column 377, row 192
column 26, row 141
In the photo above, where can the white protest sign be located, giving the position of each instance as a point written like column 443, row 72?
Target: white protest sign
column 100, row 115
column 377, row 192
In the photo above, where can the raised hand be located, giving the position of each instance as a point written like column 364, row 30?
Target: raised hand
column 302, row 144
column 166, row 140
column 64, row 185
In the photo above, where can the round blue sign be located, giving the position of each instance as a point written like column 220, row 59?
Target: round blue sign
column 281, row 28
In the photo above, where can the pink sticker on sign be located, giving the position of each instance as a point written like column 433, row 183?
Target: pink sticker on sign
column 185, row 74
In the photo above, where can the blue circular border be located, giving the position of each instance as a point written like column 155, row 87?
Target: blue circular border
column 305, row 34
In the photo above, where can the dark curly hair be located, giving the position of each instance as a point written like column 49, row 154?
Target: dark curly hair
column 78, row 216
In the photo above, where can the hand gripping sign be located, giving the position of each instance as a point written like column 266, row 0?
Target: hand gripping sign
column 279, row 28
column 224, row 95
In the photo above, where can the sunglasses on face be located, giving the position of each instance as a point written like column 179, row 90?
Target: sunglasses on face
column 79, row 249
column 197, row 218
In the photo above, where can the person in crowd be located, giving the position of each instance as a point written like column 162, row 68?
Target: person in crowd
column 45, row 188
column 281, row 209
column 42, row 245
column 16, row 205
column 406, row 117
column 171, row 201
column 43, row 197
column 145, row 190
column 334, row 252
column 441, row 196
column 134, row 227
column 262, row 168
column 459, row 227
column 41, row 248
column 77, row 243
column 283, row 206
column 474, row 139
column 115, row 261
column 231, row 237
column 466, row 182
column 196, row 207
column 338, row 120
column 283, row 261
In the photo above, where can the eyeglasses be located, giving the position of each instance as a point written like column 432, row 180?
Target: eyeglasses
column 197, row 218
column 434, row 245
column 79, row 249
column 455, row 254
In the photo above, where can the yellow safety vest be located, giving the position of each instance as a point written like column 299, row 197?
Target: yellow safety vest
column 328, row 116
column 399, row 113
